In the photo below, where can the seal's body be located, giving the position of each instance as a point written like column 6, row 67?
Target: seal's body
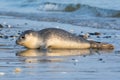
column 57, row 39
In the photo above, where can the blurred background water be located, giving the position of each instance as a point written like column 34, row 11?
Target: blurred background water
column 104, row 14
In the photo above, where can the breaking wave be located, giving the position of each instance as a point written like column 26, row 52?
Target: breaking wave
column 80, row 9
column 28, row 6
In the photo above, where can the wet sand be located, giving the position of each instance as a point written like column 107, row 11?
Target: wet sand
column 17, row 63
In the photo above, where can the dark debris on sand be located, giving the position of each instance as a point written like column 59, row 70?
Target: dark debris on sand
column 1, row 26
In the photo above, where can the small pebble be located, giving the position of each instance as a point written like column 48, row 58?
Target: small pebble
column 84, row 55
column 1, row 26
column 13, row 36
column 95, row 33
column 2, row 73
column 98, row 36
column 75, row 60
column 9, row 26
column 100, row 59
column 1, row 36
column 107, row 37
column 26, row 23
column 81, row 31
column 5, row 37
column 18, row 25
column 17, row 70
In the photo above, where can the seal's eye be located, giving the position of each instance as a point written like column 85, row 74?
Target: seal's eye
column 23, row 37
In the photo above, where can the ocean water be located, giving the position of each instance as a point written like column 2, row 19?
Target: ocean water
column 75, row 16
column 104, row 14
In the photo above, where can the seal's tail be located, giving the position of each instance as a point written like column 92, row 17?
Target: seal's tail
column 100, row 45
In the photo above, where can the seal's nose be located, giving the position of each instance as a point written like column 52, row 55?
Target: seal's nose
column 17, row 41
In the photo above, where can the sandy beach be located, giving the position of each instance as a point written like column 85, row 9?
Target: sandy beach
column 18, row 63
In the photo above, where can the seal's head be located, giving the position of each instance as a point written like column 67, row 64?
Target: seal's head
column 29, row 39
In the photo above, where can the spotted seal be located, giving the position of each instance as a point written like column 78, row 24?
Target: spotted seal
column 55, row 38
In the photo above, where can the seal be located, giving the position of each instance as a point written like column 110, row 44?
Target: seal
column 55, row 38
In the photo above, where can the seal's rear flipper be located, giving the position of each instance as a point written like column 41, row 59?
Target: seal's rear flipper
column 100, row 45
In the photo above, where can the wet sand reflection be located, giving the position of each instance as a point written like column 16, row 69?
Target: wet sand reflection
column 34, row 55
